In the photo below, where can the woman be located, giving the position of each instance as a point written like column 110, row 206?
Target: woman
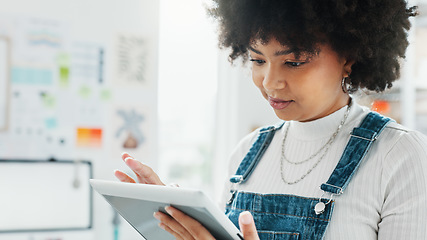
column 307, row 56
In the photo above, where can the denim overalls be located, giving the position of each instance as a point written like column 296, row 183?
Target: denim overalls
column 286, row 217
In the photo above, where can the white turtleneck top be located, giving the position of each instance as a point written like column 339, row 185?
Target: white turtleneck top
column 387, row 196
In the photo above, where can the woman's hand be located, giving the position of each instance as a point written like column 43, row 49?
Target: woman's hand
column 179, row 224
column 183, row 227
column 144, row 173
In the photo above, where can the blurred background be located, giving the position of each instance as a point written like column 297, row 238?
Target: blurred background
column 83, row 81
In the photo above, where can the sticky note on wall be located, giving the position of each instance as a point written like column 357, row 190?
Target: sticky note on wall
column 31, row 76
column 89, row 137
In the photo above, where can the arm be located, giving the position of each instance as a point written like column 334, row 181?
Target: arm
column 404, row 183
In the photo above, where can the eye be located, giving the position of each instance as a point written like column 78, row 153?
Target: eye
column 257, row 61
column 295, row 64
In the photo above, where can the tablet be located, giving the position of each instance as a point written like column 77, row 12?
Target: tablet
column 136, row 203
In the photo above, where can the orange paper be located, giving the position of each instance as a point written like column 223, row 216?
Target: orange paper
column 89, row 137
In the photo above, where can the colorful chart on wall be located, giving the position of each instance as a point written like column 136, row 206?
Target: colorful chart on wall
column 56, row 88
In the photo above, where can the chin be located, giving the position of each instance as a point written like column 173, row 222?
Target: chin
column 284, row 117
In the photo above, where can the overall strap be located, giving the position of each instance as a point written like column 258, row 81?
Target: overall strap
column 360, row 141
column 255, row 153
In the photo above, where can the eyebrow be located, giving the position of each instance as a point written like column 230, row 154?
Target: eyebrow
column 278, row 53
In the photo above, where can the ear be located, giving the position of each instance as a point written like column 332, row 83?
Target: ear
column 347, row 67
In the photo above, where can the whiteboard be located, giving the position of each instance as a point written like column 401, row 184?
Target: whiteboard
column 4, row 81
column 45, row 195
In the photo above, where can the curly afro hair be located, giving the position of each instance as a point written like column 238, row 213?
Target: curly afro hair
column 373, row 33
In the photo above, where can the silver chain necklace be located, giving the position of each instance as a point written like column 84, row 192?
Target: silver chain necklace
column 324, row 147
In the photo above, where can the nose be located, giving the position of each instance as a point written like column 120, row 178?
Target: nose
column 274, row 79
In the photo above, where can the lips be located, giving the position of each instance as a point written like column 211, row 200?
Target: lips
column 279, row 104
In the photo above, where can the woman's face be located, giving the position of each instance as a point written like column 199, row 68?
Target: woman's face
column 300, row 89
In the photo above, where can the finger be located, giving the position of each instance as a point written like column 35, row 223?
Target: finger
column 196, row 229
column 172, row 226
column 125, row 155
column 247, row 226
column 143, row 172
column 123, row 177
column 169, row 230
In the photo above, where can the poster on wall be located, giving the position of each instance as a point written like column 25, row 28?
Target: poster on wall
column 131, row 130
column 39, row 41
column 35, row 44
column 131, row 61
column 87, row 63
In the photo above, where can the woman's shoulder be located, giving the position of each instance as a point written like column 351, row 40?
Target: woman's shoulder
column 400, row 145
column 397, row 141
column 399, row 134
column 395, row 133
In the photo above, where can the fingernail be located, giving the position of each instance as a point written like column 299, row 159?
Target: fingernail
column 128, row 158
column 168, row 210
column 156, row 216
column 246, row 218
column 123, row 153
